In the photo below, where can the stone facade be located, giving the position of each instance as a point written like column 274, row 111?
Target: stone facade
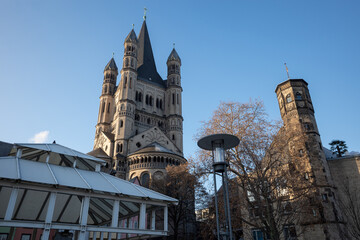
column 139, row 128
column 297, row 113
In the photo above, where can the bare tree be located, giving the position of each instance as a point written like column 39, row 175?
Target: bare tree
column 182, row 184
column 349, row 203
column 273, row 184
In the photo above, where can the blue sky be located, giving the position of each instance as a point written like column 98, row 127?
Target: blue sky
column 52, row 55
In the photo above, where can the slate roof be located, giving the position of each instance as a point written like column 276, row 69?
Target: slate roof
column 174, row 56
column 146, row 64
column 131, row 37
column 111, row 65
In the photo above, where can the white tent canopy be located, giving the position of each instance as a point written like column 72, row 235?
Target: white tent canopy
column 53, row 187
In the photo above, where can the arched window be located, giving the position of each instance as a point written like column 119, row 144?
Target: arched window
column 173, row 137
column 103, row 107
column 122, row 107
column 121, row 123
column 298, row 96
column 117, row 148
column 177, row 99
column 108, row 108
column 150, row 100
column 140, row 97
column 130, row 82
column 125, row 82
column 105, row 89
column 148, row 120
column 136, row 96
column 121, row 148
column 160, row 104
column 157, row 103
column 173, row 98
column 132, row 62
column 147, row 99
column 288, row 98
column 126, row 62
column 145, row 179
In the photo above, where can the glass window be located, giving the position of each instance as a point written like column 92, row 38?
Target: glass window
column 298, row 96
column 288, row 98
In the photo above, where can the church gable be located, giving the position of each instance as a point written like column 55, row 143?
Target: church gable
column 104, row 142
column 153, row 135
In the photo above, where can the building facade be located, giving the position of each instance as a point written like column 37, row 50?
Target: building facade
column 139, row 128
column 297, row 112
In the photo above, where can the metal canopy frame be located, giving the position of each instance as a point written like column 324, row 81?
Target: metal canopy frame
column 37, row 194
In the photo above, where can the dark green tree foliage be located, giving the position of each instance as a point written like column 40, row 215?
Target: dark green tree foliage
column 338, row 147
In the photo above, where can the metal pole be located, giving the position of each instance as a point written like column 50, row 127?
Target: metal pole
column 228, row 203
column 226, row 206
column 216, row 208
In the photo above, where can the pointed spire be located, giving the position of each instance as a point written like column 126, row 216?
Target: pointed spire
column 174, row 56
column 131, row 37
column 146, row 63
column 111, row 65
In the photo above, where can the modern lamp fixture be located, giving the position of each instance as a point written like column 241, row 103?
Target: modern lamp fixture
column 218, row 143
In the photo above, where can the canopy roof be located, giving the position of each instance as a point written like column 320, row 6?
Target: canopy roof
column 33, row 178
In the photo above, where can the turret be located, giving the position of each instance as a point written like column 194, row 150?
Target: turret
column 106, row 109
column 174, row 99
column 125, row 104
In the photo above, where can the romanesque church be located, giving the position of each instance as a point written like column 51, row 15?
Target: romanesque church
column 139, row 127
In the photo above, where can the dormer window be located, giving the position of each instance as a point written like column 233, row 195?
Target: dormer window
column 298, row 96
column 288, row 98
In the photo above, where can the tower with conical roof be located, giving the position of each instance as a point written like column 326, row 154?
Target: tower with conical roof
column 139, row 130
column 173, row 99
column 106, row 108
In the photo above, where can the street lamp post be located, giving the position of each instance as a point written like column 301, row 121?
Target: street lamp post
column 218, row 143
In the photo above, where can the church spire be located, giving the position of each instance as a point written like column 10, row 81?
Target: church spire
column 146, row 63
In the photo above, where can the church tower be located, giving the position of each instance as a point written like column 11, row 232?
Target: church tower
column 139, row 130
column 106, row 108
column 298, row 116
column 174, row 99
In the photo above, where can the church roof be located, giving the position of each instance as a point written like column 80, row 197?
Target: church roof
column 146, row 63
column 111, row 65
column 174, row 56
column 131, row 37
column 98, row 153
column 154, row 147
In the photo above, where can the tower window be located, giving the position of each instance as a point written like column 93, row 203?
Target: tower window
column 140, row 97
column 121, row 123
column 150, row 101
column 132, row 62
column 103, row 107
column 147, row 99
column 126, row 62
column 157, row 103
column 173, row 137
column 125, row 82
column 105, row 89
column 108, row 108
column 288, row 98
column 130, row 82
column 136, row 96
column 117, row 148
column 298, row 96
column 173, row 98
column 177, row 99
column 121, row 148
column 148, row 120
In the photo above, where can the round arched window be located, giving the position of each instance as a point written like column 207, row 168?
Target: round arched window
column 145, row 179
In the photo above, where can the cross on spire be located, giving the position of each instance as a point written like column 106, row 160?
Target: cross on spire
column 145, row 9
